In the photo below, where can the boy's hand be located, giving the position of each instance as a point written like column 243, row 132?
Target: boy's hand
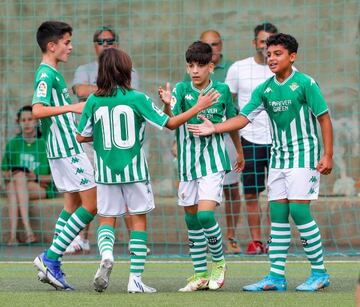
column 206, row 128
column 239, row 164
column 325, row 165
column 165, row 94
column 209, row 99
column 77, row 108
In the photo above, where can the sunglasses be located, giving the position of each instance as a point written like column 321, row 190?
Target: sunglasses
column 108, row 41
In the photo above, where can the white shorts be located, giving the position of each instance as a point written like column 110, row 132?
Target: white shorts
column 293, row 183
column 72, row 174
column 209, row 187
column 231, row 177
column 118, row 199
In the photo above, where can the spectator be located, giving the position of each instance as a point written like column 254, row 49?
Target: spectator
column 242, row 77
column 27, row 173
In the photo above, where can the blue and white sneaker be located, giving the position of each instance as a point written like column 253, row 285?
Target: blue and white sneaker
column 52, row 271
column 315, row 282
column 269, row 283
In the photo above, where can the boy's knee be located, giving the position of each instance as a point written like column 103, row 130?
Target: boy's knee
column 192, row 221
column 206, row 218
column 300, row 213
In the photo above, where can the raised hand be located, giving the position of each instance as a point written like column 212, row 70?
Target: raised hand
column 165, row 94
column 206, row 128
column 211, row 97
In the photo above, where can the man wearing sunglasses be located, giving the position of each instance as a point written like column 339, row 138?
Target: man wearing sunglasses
column 84, row 84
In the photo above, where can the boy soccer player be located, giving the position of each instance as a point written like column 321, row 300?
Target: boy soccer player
column 70, row 167
column 293, row 102
column 114, row 119
column 202, row 164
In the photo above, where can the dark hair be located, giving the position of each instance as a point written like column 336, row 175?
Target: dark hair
column 114, row 71
column 103, row 29
column 267, row 27
column 51, row 31
column 23, row 109
column 286, row 40
column 199, row 52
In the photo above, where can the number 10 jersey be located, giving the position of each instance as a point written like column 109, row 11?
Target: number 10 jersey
column 117, row 124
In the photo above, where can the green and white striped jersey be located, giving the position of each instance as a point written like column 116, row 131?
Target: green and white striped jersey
column 292, row 106
column 58, row 131
column 204, row 155
column 117, row 124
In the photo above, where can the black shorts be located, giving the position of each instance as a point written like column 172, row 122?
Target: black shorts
column 257, row 158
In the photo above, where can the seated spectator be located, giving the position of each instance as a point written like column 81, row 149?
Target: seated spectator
column 26, row 172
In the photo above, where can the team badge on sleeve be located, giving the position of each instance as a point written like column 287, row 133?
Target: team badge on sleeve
column 173, row 102
column 161, row 113
column 41, row 89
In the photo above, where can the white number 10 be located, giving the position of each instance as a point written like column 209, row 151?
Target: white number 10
column 112, row 128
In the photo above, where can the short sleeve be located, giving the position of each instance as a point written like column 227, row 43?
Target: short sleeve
column 255, row 105
column 315, row 99
column 86, row 126
column 232, row 77
column 152, row 114
column 42, row 88
column 176, row 99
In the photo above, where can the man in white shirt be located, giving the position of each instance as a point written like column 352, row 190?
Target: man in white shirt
column 243, row 77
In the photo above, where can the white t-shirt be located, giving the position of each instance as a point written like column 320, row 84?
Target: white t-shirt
column 242, row 78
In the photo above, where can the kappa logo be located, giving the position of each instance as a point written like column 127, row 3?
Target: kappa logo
column 313, row 179
column 74, row 160
column 43, row 75
column 84, row 181
column 79, row 171
column 268, row 90
column 312, row 81
column 41, row 89
column 189, row 97
column 57, row 79
column 311, row 191
column 293, row 86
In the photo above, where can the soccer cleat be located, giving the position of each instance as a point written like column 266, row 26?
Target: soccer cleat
column 315, row 282
column 78, row 245
column 199, row 281
column 269, row 283
column 101, row 279
column 52, row 273
column 136, row 285
column 232, row 246
column 217, row 277
column 255, row 248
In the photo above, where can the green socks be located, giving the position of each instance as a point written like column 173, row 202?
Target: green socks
column 77, row 222
column 309, row 234
column 138, row 251
column 197, row 243
column 280, row 237
column 105, row 240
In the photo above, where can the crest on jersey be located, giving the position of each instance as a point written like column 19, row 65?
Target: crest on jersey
column 293, row 86
column 41, row 89
column 173, row 102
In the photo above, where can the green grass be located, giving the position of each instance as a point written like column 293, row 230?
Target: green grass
column 19, row 286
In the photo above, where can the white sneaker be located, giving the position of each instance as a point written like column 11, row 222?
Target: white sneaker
column 199, row 281
column 78, row 245
column 101, row 279
column 135, row 285
column 217, row 277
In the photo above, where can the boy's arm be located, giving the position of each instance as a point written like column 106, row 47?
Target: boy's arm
column 41, row 111
column 325, row 164
column 240, row 161
column 203, row 102
column 207, row 127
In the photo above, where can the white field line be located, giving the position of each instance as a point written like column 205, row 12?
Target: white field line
column 179, row 261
